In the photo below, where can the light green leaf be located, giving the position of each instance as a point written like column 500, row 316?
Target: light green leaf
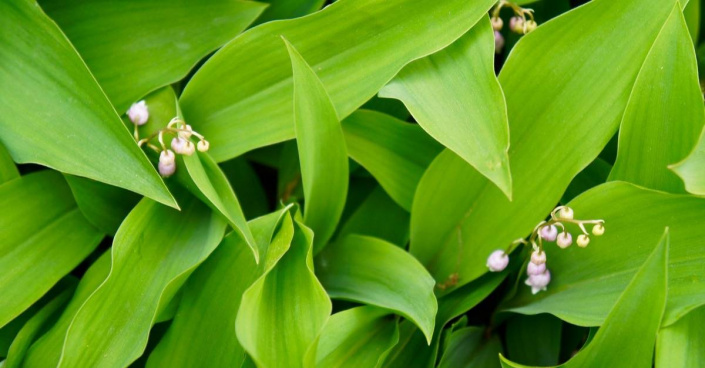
column 357, row 337
column 371, row 271
column 682, row 344
column 134, row 47
column 56, row 114
column 665, row 112
column 153, row 253
column 322, row 152
column 565, row 98
column 283, row 312
column 103, row 205
column 286, row 9
column 43, row 236
column 468, row 347
column 629, row 331
column 586, row 282
column 35, row 325
column 46, row 351
column 455, row 96
column 245, row 89
column 8, row 170
column 203, row 330
column 413, row 351
column 394, row 152
column 380, row 217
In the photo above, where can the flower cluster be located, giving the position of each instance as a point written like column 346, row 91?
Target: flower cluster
column 517, row 24
column 538, row 275
column 180, row 144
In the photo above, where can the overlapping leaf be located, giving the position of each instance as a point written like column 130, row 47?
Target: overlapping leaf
column 245, row 90
column 455, row 96
column 56, row 115
column 682, row 344
column 380, row 217
column 8, row 170
column 468, row 347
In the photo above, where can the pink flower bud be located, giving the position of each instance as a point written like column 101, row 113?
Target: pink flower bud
column 498, row 42
column 167, row 163
column 516, row 24
column 138, row 113
column 539, row 282
column 187, row 134
column 538, row 257
column 549, row 233
column 497, row 261
column 535, row 269
column 178, row 144
column 564, row 240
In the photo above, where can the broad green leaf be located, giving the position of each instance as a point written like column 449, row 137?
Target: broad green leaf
column 322, row 152
column 43, row 236
column 565, row 97
column 593, row 175
column 682, row 344
column 203, row 330
column 283, row 312
column 8, row 170
column 286, row 9
column 134, row 47
column 154, row 251
column 56, row 115
column 455, row 96
column 371, row 271
column 394, row 152
column 46, row 351
column 586, row 282
column 247, row 186
column 469, row 347
column 665, row 112
column 388, row 106
column 380, row 217
column 629, row 331
column 691, row 12
column 534, row 340
column 103, row 205
column 245, row 89
column 357, row 337
column 35, row 325
column 413, row 351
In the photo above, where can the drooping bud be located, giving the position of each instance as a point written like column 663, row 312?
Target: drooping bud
column 498, row 42
column 167, row 163
column 549, row 233
column 530, row 25
column 497, row 261
column 535, row 269
column 138, row 113
column 187, row 134
column 538, row 257
column 203, row 145
column 497, row 23
column 598, row 229
column 566, row 213
column 564, row 240
column 539, row 282
column 189, row 148
column 516, row 24
column 178, row 144
column 583, row 240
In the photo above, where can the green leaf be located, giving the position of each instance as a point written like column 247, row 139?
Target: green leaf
column 8, row 170
column 247, row 186
column 35, row 325
column 394, row 152
column 135, row 47
column 48, row 238
column 322, row 152
column 682, row 344
column 245, row 89
column 203, row 330
column 556, row 83
column 154, row 251
column 629, row 331
column 56, row 115
column 286, row 9
column 691, row 12
column 357, row 337
column 666, row 105
column 586, row 282
column 283, row 312
column 593, row 175
column 534, row 340
column 380, row 217
column 46, row 351
column 468, row 347
column 371, row 271
column 104, row 206
column 455, row 96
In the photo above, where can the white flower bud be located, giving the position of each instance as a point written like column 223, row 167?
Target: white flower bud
column 497, row 23
column 203, row 145
column 497, row 261
column 598, row 229
column 539, row 282
column 167, row 163
column 549, row 233
column 189, row 148
column 178, row 144
column 564, row 240
column 187, row 133
column 138, row 113
column 535, row 269
column 538, row 257
column 566, row 213
column 583, row 240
